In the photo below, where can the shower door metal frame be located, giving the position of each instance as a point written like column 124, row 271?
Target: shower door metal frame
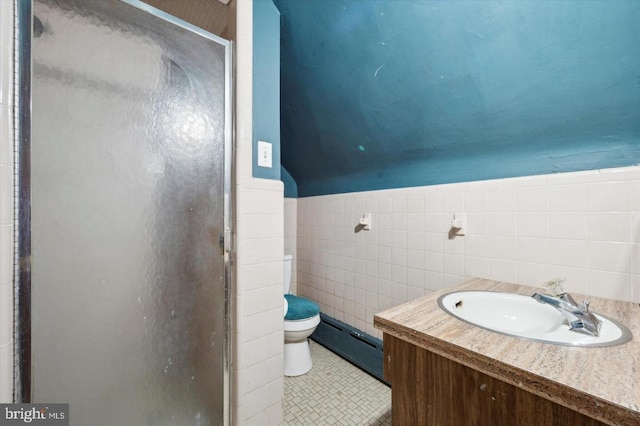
column 22, row 323
column 22, row 274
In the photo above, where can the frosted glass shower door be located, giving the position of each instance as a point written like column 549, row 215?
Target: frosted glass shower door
column 128, row 215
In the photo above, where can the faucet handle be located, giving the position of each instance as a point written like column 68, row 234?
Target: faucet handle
column 586, row 304
column 555, row 287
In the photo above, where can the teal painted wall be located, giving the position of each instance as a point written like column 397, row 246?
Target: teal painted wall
column 290, row 186
column 386, row 94
column 266, row 84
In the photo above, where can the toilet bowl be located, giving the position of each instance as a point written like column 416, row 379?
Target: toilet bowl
column 301, row 317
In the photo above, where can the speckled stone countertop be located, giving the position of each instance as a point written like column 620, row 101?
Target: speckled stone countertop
column 601, row 382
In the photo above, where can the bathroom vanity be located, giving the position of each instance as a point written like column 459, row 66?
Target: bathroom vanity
column 444, row 371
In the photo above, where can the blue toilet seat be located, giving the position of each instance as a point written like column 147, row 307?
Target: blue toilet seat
column 300, row 308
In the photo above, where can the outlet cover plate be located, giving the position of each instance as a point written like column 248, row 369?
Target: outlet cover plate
column 265, row 157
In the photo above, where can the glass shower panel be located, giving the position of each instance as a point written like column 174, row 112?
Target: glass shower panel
column 127, row 193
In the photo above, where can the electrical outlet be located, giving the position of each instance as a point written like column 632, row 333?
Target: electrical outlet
column 265, row 158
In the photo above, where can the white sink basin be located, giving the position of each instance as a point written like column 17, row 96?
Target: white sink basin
column 522, row 316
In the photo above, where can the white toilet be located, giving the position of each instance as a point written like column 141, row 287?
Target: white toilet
column 301, row 317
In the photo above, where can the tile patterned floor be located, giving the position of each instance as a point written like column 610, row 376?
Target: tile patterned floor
column 335, row 392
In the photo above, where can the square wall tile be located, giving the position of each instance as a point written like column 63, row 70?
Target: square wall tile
column 504, row 248
column 433, row 261
column 477, row 224
column 433, row 242
column 635, row 195
column 533, row 199
column 533, row 225
column 251, row 327
column 476, row 267
column 414, row 293
column 274, row 415
column 618, row 174
column 398, row 292
column 452, row 243
column 568, row 198
column 385, row 203
column 415, row 222
column 263, row 299
column 263, row 225
column 415, row 203
column 452, row 280
column 453, row 202
column 453, row 264
column 570, row 225
column 415, row 277
column 476, row 246
column 251, row 251
column 433, row 281
column 261, row 350
column 610, row 285
column 503, row 270
column 613, row 257
column 433, row 202
column 609, row 196
column 575, row 278
column 568, row 253
column 433, row 222
column 635, row 227
column 252, row 407
column 476, row 202
column 383, row 221
column 371, row 205
column 502, row 224
column 533, row 274
column 503, row 200
column 610, row 226
column 533, row 250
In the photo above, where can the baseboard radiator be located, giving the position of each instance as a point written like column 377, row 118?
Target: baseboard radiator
column 357, row 347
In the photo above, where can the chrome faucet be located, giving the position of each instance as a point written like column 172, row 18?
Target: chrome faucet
column 579, row 317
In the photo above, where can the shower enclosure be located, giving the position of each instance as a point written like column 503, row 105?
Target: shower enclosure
column 124, row 207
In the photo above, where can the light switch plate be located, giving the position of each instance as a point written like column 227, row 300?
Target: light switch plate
column 265, row 158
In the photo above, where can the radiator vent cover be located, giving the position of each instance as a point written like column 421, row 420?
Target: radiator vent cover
column 357, row 347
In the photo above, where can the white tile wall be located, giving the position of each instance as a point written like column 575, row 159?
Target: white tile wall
column 584, row 226
column 259, row 243
column 6, row 202
column 290, row 236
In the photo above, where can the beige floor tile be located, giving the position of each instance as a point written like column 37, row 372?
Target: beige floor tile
column 335, row 392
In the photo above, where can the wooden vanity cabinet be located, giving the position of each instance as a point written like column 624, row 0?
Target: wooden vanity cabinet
column 429, row 389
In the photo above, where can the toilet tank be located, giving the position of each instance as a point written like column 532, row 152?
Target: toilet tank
column 288, row 258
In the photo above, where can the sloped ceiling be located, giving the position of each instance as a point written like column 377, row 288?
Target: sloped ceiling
column 391, row 93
